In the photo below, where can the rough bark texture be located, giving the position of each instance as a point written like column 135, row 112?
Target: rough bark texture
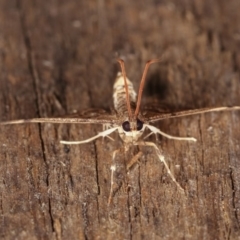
column 58, row 56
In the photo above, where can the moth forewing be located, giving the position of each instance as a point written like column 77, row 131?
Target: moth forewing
column 161, row 116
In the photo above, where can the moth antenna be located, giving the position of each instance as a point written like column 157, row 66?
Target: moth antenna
column 148, row 63
column 121, row 62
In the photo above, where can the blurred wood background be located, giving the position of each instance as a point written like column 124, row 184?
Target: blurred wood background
column 58, row 56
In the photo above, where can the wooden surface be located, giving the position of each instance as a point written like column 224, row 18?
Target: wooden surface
column 59, row 56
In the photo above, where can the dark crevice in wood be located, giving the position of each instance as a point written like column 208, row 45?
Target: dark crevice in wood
column 97, row 178
column 210, row 37
column 129, row 212
column 85, row 219
column 2, row 234
column 4, row 99
column 30, row 57
column 202, row 143
column 60, row 93
column 1, row 206
column 36, row 82
column 234, row 196
column 51, row 216
column 71, row 179
column 140, row 189
column 89, row 93
column 235, row 63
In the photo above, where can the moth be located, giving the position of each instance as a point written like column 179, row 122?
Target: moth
column 127, row 119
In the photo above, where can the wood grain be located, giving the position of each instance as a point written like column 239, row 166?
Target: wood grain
column 59, row 56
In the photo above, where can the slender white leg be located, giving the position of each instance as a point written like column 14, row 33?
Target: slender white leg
column 110, row 138
column 113, row 169
column 106, row 127
column 101, row 134
column 162, row 159
column 155, row 130
column 151, row 133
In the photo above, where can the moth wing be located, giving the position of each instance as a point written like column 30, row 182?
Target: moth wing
column 93, row 115
column 89, row 116
column 154, row 115
column 155, row 111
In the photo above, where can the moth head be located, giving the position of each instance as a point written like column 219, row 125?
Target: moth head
column 136, row 125
column 131, row 131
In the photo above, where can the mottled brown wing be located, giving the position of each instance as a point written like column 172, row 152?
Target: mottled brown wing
column 154, row 115
column 89, row 116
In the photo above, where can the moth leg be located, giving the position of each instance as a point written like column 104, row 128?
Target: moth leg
column 120, row 177
column 151, row 133
column 110, row 138
column 113, row 169
column 134, row 160
column 148, row 135
column 162, row 159
column 101, row 134
column 107, row 126
column 157, row 131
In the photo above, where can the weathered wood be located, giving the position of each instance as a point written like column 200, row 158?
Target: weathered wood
column 58, row 56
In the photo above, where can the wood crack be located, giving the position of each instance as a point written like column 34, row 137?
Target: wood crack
column 35, row 76
column 234, row 196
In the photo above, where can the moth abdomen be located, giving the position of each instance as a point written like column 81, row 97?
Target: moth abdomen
column 119, row 95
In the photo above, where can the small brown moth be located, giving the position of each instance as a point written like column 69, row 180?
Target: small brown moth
column 127, row 119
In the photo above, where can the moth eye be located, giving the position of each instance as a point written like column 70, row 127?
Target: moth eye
column 139, row 125
column 126, row 126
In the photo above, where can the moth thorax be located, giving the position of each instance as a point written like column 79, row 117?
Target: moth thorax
column 119, row 94
column 130, row 137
